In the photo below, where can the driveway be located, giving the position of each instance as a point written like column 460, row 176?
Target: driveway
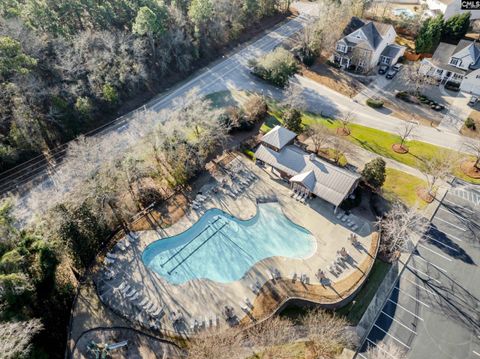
column 434, row 308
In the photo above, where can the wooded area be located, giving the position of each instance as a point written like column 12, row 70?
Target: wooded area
column 66, row 66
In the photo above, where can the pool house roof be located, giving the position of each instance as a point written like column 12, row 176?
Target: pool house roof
column 278, row 137
column 327, row 181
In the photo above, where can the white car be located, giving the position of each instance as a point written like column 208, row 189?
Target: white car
column 473, row 101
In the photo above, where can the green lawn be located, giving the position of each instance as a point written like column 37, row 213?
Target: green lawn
column 353, row 312
column 380, row 142
column 402, row 186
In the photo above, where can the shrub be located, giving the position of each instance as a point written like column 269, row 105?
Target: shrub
column 250, row 154
column 292, row 119
column 333, row 64
column 374, row 103
column 109, row 93
column 470, row 123
column 275, row 67
column 374, row 173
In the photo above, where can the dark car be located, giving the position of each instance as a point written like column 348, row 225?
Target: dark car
column 393, row 71
column 391, row 74
column 382, row 69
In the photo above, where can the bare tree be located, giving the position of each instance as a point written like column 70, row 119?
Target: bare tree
column 339, row 148
column 405, row 132
column 319, row 135
column 293, row 97
column 437, row 167
column 346, row 120
column 16, row 338
column 398, row 227
column 327, row 333
column 380, row 350
column 474, row 149
column 221, row 345
column 416, row 77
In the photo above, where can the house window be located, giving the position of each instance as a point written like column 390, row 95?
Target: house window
column 439, row 72
column 455, row 62
column 341, row 48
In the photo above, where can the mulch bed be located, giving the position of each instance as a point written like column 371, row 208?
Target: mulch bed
column 399, row 149
column 425, row 195
column 343, row 131
column 468, row 167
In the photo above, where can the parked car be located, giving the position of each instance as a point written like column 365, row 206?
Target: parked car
column 397, row 67
column 473, row 101
column 382, row 69
column 393, row 71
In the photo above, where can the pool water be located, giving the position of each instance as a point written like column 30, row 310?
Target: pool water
column 222, row 248
column 404, row 12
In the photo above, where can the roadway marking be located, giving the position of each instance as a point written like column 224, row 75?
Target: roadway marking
column 379, row 347
column 431, row 250
column 421, row 287
column 399, row 322
column 478, row 354
column 453, row 225
column 419, row 271
column 457, row 205
column 390, row 335
column 454, row 214
column 411, row 296
column 450, row 236
column 405, row 309
column 443, row 244
column 423, row 259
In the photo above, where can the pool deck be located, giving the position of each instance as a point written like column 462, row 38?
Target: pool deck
column 203, row 299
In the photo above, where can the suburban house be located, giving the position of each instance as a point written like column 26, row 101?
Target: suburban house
column 305, row 171
column 366, row 44
column 450, row 8
column 456, row 63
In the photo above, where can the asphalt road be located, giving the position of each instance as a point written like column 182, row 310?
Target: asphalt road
column 434, row 308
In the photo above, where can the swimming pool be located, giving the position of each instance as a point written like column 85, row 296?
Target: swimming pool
column 403, row 12
column 222, row 248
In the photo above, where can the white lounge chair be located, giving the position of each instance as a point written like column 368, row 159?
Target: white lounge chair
column 248, row 303
column 125, row 290
column 143, row 302
column 254, row 289
column 112, row 256
column 121, row 286
column 340, row 215
column 131, row 293
column 294, row 276
column 355, row 227
column 344, row 218
column 135, row 296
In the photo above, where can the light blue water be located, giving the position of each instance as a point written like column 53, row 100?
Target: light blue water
column 405, row 12
column 222, row 248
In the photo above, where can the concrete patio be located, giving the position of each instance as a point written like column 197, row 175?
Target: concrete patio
column 203, row 300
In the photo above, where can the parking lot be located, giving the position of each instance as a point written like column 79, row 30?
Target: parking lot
column 434, row 308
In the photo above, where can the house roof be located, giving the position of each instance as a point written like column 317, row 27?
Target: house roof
column 278, row 137
column 392, row 50
column 305, row 178
column 373, row 31
column 443, row 53
column 325, row 180
column 473, row 51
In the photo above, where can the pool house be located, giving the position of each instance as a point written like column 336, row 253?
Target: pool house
column 306, row 173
